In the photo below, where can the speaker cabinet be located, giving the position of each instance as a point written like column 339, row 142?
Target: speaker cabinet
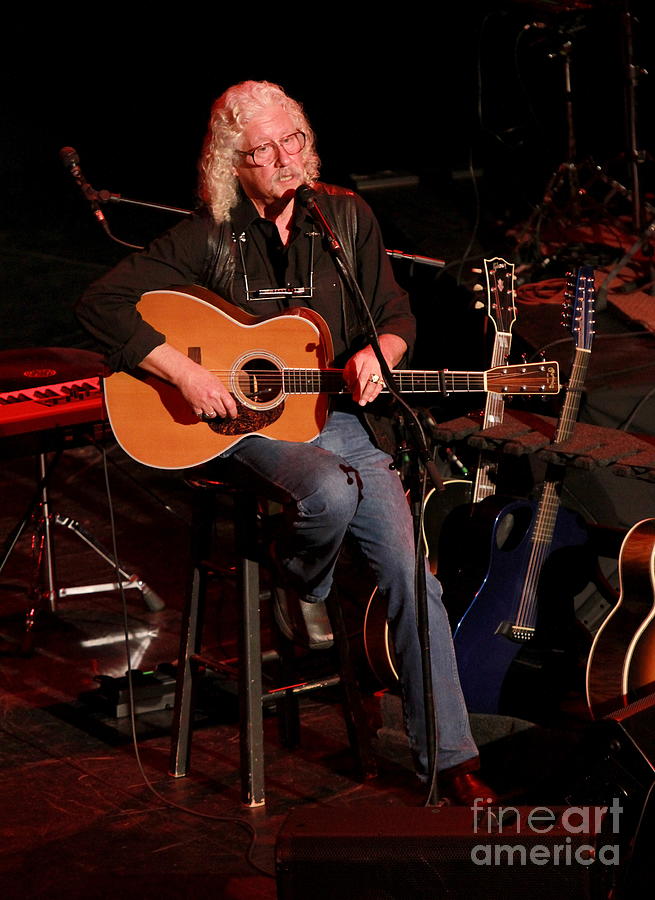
column 635, row 724
column 401, row 853
column 616, row 760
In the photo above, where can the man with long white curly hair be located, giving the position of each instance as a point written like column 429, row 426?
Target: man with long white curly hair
column 254, row 243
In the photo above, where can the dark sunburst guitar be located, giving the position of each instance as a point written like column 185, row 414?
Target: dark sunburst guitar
column 276, row 369
column 457, row 526
column 447, row 512
column 621, row 664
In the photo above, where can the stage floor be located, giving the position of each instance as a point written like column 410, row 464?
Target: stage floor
column 79, row 816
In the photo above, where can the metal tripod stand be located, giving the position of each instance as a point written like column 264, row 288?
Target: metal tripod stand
column 572, row 182
column 39, row 510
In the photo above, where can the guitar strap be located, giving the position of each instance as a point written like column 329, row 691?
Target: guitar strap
column 220, row 258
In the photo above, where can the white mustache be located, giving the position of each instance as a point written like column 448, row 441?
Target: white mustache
column 288, row 171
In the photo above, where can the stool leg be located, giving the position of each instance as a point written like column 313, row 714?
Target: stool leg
column 250, row 667
column 287, row 706
column 183, row 710
column 353, row 708
column 190, row 635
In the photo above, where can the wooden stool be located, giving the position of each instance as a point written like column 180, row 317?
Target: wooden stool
column 252, row 695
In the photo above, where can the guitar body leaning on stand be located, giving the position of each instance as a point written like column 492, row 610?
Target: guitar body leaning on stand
column 621, row 664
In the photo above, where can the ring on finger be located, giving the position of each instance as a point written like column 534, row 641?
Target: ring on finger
column 374, row 379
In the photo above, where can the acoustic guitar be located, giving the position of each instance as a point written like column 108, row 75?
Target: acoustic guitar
column 525, row 605
column 621, row 664
column 446, row 513
column 277, row 371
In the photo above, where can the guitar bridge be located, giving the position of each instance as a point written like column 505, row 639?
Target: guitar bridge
column 520, row 634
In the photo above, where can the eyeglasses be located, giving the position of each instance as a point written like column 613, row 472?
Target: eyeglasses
column 266, row 153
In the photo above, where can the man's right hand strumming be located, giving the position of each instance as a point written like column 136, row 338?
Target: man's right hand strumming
column 204, row 392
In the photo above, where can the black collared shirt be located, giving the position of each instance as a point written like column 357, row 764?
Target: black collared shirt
column 180, row 257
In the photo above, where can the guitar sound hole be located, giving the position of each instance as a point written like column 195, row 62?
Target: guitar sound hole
column 260, row 381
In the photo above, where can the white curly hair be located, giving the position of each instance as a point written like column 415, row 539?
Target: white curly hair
column 218, row 185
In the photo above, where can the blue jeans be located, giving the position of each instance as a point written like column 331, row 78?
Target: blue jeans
column 339, row 483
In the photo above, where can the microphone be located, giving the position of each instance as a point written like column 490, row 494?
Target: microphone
column 306, row 196
column 70, row 159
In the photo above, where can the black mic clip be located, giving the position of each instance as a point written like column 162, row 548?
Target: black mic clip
column 306, row 196
column 70, row 159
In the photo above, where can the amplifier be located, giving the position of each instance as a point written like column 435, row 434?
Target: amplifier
column 401, row 853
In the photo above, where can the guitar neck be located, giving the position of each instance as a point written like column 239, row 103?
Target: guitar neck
column 409, row 381
column 571, row 406
column 549, row 502
column 530, row 378
column 494, row 410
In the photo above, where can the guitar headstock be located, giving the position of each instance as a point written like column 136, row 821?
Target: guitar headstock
column 500, row 293
column 525, row 378
column 579, row 306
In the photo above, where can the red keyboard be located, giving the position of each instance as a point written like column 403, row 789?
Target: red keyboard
column 51, row 406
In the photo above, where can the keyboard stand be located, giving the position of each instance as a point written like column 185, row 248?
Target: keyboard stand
column 45, row 563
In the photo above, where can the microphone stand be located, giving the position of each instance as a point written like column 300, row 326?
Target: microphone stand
column 104, row 196
column 70, row 159
column 306, row 196
column 108, row 197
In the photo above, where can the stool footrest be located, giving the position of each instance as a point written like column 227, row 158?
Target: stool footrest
column 229, row 667
column 272, row 696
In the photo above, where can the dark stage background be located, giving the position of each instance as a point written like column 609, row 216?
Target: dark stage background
column 464, row 98
column 433, row 93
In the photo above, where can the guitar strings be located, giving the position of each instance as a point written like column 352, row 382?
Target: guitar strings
column 410, row 380
column 549, row 501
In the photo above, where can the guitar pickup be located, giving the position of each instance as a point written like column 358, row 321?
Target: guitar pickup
column 520, row 634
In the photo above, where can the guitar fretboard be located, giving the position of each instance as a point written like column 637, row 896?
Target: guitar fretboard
column 330, row 381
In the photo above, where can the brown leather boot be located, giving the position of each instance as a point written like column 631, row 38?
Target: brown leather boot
column 461, row 785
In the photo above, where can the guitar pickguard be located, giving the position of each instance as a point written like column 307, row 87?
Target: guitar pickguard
column 248, row 421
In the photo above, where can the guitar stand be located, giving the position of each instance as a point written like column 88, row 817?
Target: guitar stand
column 45, row 562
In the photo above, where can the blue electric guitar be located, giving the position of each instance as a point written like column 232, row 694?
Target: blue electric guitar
column 521, row 621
